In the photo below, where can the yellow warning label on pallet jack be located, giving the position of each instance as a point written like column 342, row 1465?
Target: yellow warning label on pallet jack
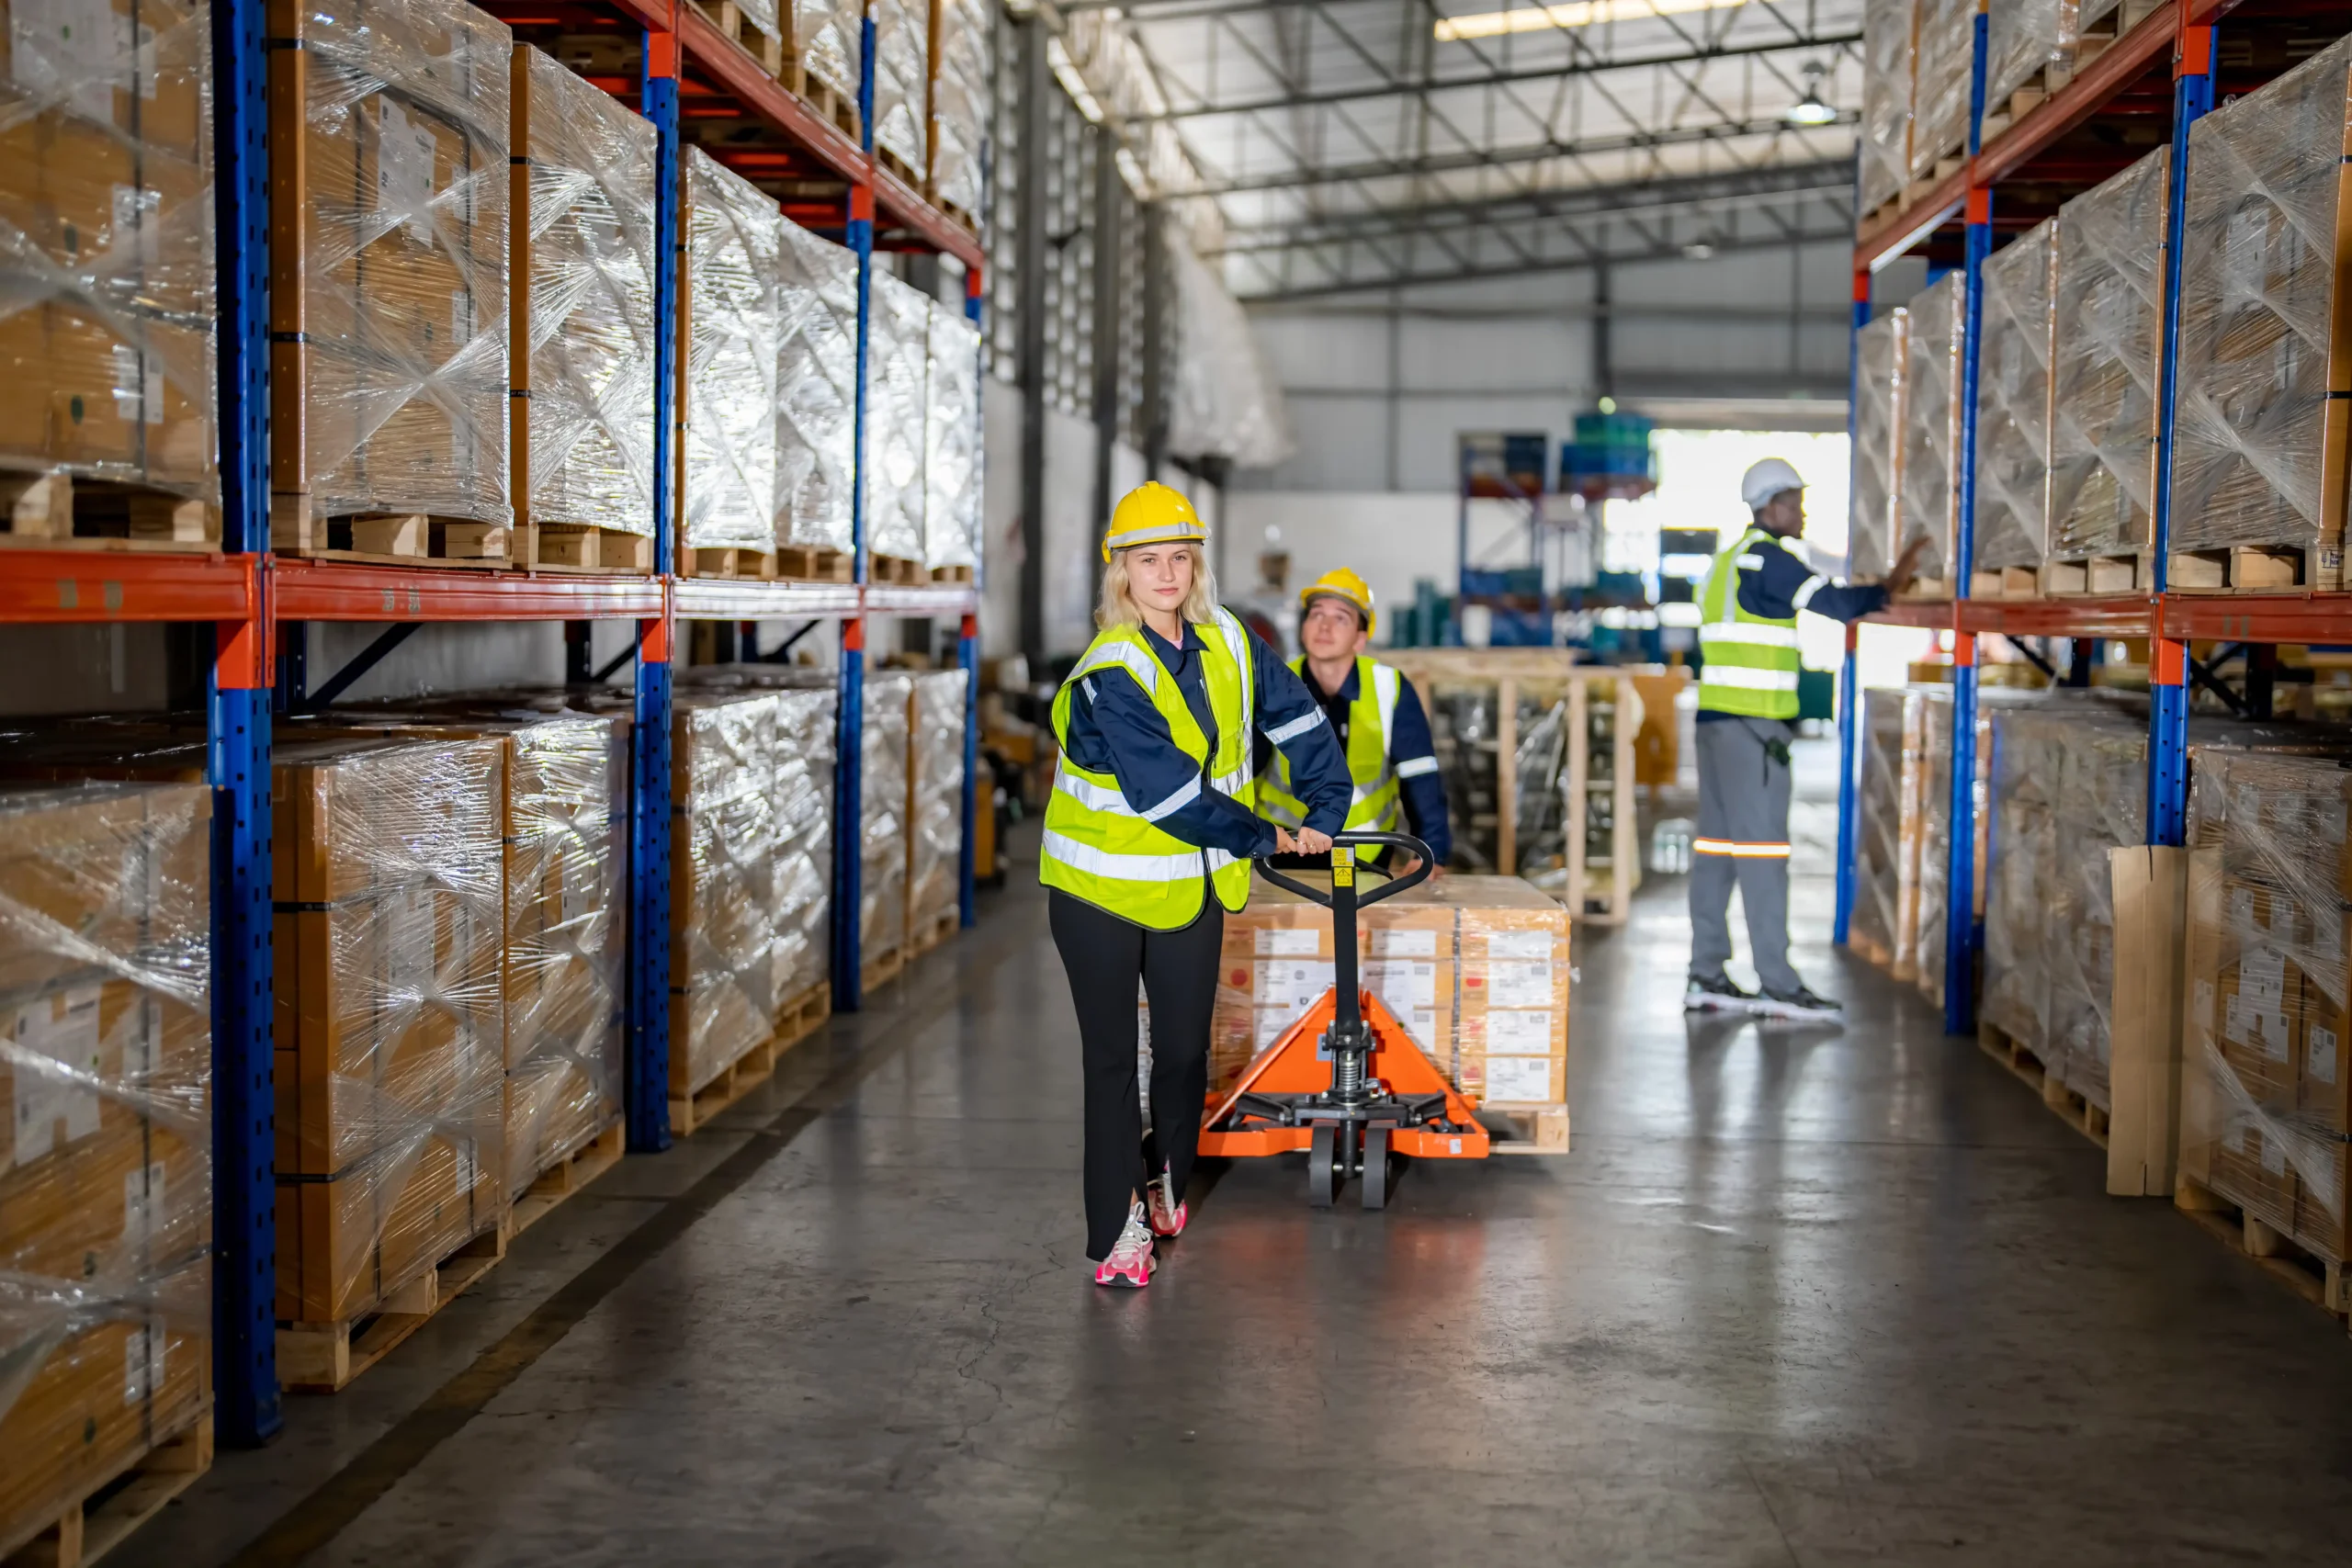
column 1343, row 869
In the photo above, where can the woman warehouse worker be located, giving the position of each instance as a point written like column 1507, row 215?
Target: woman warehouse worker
column 1149, row 839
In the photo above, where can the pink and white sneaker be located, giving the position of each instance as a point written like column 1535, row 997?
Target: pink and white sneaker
column 1166, row 1218
column 1131, row 1262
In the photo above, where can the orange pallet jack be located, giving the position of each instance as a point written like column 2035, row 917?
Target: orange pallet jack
column 1345, row 1082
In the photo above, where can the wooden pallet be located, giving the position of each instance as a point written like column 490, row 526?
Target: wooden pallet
column 566, row 1177
column 896, row 568
column 59, row 512
column 1926, row 590
column 742, row 565
column 2024, row 100
column 2131, row 571
column 2069, row 1105
column 881, row 969
column 568, row 547
column 729, row 19
column 323, row 1357
column 2005, row 582
column 805, row 563
column 1526, row 1129
column 105, row 1517
column 2313, row 1278
column 754, row 1067
column 831, row 103
column 927, row 931
column 951, row 574
column 411, row 538
column 2257, row 568
column 899, row 166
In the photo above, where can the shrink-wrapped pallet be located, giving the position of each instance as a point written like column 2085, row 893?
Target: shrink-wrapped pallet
column 2104, row 359
column 1931, row 410
column 951, row 469
column 1882, row 375
column 882, row 892
column 734, row 236
column 723, row 858
column 2266, row 322
column 2022, row 36
column 583, row 347
column 2013, row 402
column 825, row 34
column 107, row 260
column 1943, row 57
column 804, row 840
column 901, row 73
column 898, row 393
column 1935, row 804
column 1891, row 822
column 961, row 47
column 389, row 373
column 390, row 1045
column 935, row 798
column 1887, row 41
column 816, row 390
column 106, row 1168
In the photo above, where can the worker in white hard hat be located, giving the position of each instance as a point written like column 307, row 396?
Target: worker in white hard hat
column 1379, row 721
column 1747, row 702
column 1148, row 837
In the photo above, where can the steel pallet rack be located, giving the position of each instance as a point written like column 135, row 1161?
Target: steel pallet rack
column 689, row 67
column 2041, row 152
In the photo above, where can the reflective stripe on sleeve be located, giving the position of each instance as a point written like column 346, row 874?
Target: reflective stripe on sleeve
column 1417, row 767
column 1281, row 735
column 1750, row 563
column 1183, row 796
column 1804, row 595
column 1739, row 851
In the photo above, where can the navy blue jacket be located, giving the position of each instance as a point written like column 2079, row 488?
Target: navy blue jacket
column 1115, row 730
column 1411, row 752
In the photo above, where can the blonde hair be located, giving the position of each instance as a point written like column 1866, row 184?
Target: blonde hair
column 1118, row 605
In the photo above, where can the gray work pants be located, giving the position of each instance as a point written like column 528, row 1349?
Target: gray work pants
column 1743, row 803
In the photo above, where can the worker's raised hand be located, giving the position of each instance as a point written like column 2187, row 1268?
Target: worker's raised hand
column 1311, row 842
column 1906, row 567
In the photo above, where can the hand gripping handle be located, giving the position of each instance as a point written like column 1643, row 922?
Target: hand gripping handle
column 1393, row 885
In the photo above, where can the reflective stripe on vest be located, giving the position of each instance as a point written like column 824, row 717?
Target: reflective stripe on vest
column 1752, row 661
column 1374, row 801
column 1100, row 848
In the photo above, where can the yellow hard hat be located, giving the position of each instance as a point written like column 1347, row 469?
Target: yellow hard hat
column 1341, row 583
column 1151, row 514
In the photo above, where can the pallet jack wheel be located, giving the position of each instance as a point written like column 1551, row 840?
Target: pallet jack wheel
column 1323, row 1166
column 1376, row 1168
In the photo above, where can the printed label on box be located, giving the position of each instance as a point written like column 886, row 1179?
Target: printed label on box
column 62, row 1028
column 143, row 1199
column 1293, row 982
column 67, row 50
column 1520, row 944
column 405, row 169
column 2319, row 1054
column 1517, row 1030
column 1405, row 988
column 143, row 1363
column 1520, row 1078
column 1402, row 944
column 1289, row 943
column 2201, row 1004
column 1518, row 984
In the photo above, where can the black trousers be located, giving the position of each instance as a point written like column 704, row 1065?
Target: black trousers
column 1105, row 955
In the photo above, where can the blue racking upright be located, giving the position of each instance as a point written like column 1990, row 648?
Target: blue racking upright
column 688, row 67
column 2167, row 66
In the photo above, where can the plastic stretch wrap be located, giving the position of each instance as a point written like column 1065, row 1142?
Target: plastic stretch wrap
column 2013, row 402
column 106, row 243
column 1935, row 840
column 803, row 817
column 1892, row 798
column 734, row 235
column 1944, row 56
column 391, row 1062
column 882, row 892
column 935, row 798
column 952, row 523
column 1931, row 409
column 590, row 240
column 1886, row 100
column 825, row 33
column 960, row 93
column 816, row 390
column 898, row 389
column 397, row 391
column 901, row 78
column 105, row 1166
column 2264, row 1099
column 723, row 904
column 1882, row 375
column 2258, row 455
column 2104, row 358
column 1475, row 968
column 2021, row 37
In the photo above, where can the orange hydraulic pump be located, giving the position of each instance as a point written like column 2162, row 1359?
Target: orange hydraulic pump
column 1345, row 1082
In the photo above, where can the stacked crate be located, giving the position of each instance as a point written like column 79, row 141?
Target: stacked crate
column 726, row 398
column 1934, row 367
column 2105, row 355
column 389, row 182
column 1887, row 56
column 935, row 808
column 2029, row 54
column 816, row 404
column 952, row 520
column 898, row 394
column 804, row 864
column 2013, row 417
column 723, row 904
column 958, row 116
column 1892, row 822
column 105, row 1194
column 1882, row 354
column 882, row 824
column 582, row 347
column 106, row 197
column 2264, row 411
column 901, row 84
column 1943, row 56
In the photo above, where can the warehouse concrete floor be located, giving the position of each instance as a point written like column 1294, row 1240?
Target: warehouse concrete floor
column 1796, row 1296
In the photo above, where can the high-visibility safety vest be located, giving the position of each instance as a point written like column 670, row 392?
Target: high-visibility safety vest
column 1751, row 660
column 1098, row 848
column 1373, row 805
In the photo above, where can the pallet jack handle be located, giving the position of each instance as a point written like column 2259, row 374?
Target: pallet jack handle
column 1343, row 901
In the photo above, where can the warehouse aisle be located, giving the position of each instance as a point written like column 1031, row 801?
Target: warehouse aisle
column 1796, row 1297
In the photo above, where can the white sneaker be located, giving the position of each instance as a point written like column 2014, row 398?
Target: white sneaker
column 1167, row 1217
column 1131, row 1262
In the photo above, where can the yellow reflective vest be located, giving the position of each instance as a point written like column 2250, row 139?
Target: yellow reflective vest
column 1751, row 660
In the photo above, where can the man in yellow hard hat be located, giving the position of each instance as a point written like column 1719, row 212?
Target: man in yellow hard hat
column 1376, row 716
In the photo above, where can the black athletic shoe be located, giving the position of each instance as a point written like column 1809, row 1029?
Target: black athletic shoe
column 1800, row 1003
column 1721, row 994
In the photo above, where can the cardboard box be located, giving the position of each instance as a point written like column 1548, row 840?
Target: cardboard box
column 2151, row 886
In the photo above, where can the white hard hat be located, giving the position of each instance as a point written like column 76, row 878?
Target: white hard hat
column 1766, row 479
